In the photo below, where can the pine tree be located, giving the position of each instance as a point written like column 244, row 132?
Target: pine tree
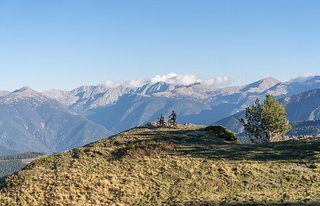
column 265, row 122
column 252, row 121
column 273, row 116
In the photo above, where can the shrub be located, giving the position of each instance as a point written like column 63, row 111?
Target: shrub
column 221, row 132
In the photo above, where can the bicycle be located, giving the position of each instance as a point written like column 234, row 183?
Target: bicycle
column 172, row 122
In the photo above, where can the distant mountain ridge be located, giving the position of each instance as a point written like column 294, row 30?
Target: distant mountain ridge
column 122, row 107
column 57, row 120
column 33, row 122
column 304, row 106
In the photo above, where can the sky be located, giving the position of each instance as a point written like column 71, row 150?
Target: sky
column 65, row 44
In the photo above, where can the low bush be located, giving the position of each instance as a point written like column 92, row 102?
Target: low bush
column 221, row 132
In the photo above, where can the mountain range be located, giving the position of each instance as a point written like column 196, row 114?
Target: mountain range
column 123, row 107
column 57, row 120
column 30, row 121
column 300, row 107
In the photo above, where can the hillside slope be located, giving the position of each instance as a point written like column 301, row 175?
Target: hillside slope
column 32, row 122
column 184, row 166
column 305, row 128
column 304, row 106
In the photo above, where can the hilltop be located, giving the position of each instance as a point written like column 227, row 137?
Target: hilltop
column 184, row 166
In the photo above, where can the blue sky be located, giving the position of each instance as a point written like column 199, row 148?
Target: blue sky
column 65, row 44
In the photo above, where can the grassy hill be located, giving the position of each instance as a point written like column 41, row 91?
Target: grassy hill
column 184, row 166
column 305, row 128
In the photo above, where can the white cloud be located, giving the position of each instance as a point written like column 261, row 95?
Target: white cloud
column 135, row 83
column 128, row 83
column 111, row 84
column 172, row 78
column 218, row 81
column 163, row 78
column 303, row 77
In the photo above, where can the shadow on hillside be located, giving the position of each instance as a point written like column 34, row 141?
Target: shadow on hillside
column 207, row 146
column 2, row 182
column 272, row 151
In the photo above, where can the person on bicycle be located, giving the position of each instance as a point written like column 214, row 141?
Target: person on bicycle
column 173, row 118
column 161, row 120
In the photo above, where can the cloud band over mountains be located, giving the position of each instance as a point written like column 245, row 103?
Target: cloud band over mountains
column 172, row 78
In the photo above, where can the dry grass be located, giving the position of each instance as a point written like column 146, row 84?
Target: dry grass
column 185, row 166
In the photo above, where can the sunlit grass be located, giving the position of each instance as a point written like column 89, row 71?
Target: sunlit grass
column 183, row 166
